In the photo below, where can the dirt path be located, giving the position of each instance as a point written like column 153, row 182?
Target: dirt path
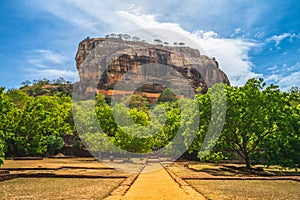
column 158, row 184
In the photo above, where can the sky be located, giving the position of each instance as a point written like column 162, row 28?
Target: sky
column 39, row 39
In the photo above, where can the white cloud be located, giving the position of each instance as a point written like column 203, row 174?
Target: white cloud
column 278, row 38
column 237, row 30
column 289, row 81
column 275, row 67
column 259, row 35
column 273, row 77
column 41, row 56
column 47, row 64
column 284, row 76
column 232, row 54
column 73, row 12
column 50, row 73
column 295, row 67
column 206, row 34
column 91, row 16
column 54, row 73
column 284, row 68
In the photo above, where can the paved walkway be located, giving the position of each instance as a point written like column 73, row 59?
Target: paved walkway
column 158, row 185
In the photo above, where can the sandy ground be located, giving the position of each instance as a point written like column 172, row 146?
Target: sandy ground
column 158, row 184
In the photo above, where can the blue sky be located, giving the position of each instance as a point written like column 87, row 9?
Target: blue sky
column 39, row 39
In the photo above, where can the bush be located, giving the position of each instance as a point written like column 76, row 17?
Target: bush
column 167, row 95
column 54, row 144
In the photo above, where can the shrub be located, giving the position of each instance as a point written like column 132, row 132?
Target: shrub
column 54, row 144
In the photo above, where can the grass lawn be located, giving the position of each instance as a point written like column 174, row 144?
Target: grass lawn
column 195, row 169
column 85, row 166
column 247, row 189
column 53, row 163
column 88, row 188
column 237, row 189
column 59, row 188
column 56, row 188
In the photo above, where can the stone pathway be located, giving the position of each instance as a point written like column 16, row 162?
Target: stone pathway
column 156, row 183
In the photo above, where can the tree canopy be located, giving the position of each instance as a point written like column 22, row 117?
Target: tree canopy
column 255, row 123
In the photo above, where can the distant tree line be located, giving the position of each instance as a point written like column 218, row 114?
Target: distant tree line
column 46, row 87
column 46, row 81
column 127, row 37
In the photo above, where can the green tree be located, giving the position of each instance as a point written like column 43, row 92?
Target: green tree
column 54, row 144
column 42, row 117
column 261, row 126
column 294, row 92
column 167, row 95
column 212, row 112
column 283, row 148
column 105, row 116
column 137, row 101
column 253, row 113
column 134, row 139
column 167, row 122
column 133, row 133
column 9, row 118
column 18, row 97
column 99, row 143
column 95, row 124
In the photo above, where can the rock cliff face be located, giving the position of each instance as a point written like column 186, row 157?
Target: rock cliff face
column 108, row 60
